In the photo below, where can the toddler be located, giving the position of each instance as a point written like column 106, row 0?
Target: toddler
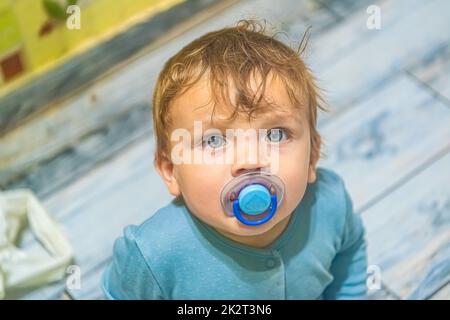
column 253, row 216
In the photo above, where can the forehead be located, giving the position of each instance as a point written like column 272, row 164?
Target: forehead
column 197, row 103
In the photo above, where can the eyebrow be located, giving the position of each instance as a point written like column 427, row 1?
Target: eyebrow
column 278, row 118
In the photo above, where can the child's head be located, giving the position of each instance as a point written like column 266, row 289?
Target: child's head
column 235, row 78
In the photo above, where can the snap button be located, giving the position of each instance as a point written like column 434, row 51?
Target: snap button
column 270, row 263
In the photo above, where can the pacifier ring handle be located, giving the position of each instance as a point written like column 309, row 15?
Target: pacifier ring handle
column 238, row 213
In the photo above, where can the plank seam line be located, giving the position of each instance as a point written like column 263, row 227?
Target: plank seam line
column 404, row 180
column 330, row 9
column 441, row 98
column 349, row 105
column 390, row 292
column 436, row 290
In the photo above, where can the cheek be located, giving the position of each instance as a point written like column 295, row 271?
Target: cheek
column 201, row 188
column 294, row 173
column 294, row 158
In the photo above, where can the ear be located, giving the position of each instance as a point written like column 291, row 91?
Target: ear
column 314, row 158
column 312, row 174
column 166, row 170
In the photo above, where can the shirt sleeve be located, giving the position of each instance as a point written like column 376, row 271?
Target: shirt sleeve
column 349, row 267
column 129, row 277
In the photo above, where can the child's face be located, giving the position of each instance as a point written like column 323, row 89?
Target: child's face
column 200, row 184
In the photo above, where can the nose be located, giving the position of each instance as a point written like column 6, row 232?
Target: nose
column 237, row 171
column 247, row 164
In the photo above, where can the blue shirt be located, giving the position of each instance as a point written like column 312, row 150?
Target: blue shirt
column 173, row 255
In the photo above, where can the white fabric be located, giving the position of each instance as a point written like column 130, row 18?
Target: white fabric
column 22, row 269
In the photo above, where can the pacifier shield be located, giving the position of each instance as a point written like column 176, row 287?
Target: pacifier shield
column 254, row 195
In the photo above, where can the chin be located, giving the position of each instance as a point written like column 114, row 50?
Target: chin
column 239, row 229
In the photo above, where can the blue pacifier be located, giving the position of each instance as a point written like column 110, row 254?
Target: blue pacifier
column 253, row 198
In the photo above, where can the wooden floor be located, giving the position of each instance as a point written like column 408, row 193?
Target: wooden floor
column 388, row 136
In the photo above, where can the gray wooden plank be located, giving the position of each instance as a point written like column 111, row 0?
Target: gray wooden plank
column 434, row 72
column 66, row 166
column 307, row 14
column 385, row 138
column 381, row 294
column 438, row 270
column 351, row 61
column 343, row 8
column 91, row 283
column 408, row 233
column 442, row 294
column 351, row 32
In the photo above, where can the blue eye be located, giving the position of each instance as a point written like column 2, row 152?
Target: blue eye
column 276, row 135
column 214, row 141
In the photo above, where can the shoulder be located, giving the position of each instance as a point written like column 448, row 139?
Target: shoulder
column 329, row 183
column 145, row 253
column 331, row 202
column 167, row 222
column 330, row 190
column 163, row 236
